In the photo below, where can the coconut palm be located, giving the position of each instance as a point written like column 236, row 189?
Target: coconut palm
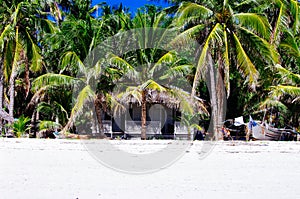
column 20, row 126
column 147, row 84
column 284, row 19
column 18, row 46
column 151, row 71
column 289, row 84
column 229, row 40
column 84, row 82
column 64, row 56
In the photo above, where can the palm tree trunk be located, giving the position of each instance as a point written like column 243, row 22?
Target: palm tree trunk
column 218, row 98
column 1, row 92
column 221, row 94
column 99, row 113
column 33, row 124
column 26, row 77
column 211, row 81
column 143, row 119
column 11, row 98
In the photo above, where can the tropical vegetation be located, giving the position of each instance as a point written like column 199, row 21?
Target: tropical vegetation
column 245, row 58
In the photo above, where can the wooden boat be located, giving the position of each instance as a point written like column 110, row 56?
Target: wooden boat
column 266, row 132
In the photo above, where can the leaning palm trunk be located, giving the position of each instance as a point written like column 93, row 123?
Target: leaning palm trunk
column 143, row 130
column 99, row 114
column 1, row 92
column 11, row 98
column 213, row 99
column 221, row 98
column 33, row 124
column 217, row 96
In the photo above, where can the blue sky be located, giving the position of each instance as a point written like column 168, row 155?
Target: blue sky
column 132, row 4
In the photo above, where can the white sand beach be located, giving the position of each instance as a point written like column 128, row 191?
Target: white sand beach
column 37, row 168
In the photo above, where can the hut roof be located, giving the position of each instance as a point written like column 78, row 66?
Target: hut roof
column 171, row 100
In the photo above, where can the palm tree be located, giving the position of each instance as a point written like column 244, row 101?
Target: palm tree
column 284, row 19
column 152, row 83
column 64, row 56
column 86, row 92
column 289, row 84
column 151, row 70
column 18, row 46
column 227, row 38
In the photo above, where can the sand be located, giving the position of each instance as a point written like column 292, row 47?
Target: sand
column 37, row 168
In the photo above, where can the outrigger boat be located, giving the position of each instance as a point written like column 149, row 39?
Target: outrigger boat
column 264, row 131
column 236, row 129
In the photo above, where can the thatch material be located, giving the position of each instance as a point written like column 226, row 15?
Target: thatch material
column 167, row 99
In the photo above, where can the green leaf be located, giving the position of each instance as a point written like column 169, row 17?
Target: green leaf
column 245, row 65
column 189, row 10
column 36, row 59
column 84, row 96
column 70, row 58
column 255, row 22
column 48, row 125
column 52, row 80
column 285, row 90
column 216, row 35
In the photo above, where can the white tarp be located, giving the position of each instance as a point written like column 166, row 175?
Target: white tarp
column 239, row 121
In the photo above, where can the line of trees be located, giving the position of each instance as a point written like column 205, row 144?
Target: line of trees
column 248, row 49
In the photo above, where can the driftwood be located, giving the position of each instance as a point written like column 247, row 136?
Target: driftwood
column 4, row 115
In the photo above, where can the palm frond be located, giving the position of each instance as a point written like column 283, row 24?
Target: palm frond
column 289, row 44
column 285, row 90
column 295, row 12
column 50, row 26
column 71, row 58
column 4, row 35
column 44, row 107
column 272, row 102
column 45, row 125
column 266, row 50
column 14, row 16
column 214, row 36
column 115, row 105
column 188, row 105
column 187, row 36
column 167, row 58
column 118, row 61
column 36, row 59
column 17, row 52
column 159, row 19
column 281, row 23
column 245, row 65
column 254, row 21
column 176, row 71
column 295, row 78
column 152, row 85
column 52, row 80
column 8, row 59
column 85, row 95
column 127, row 96
column 187, row 10
column 246, row 2
column 97, row 69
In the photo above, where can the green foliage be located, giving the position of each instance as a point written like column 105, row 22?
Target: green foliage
column 253, row 42
column 20, row 126
column 46, row 125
